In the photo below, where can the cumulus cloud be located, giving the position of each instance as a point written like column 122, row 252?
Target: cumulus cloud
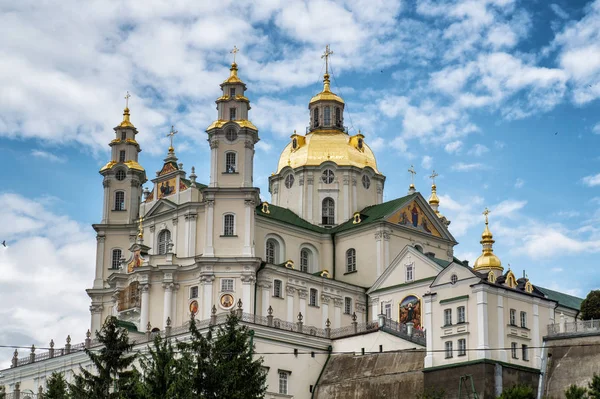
column 478, row 150
column 592, row 180
column 427, row 162
column 453, row 147
column 559, row 11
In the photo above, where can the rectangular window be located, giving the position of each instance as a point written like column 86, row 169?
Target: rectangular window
column 524, row 319
column 409, row 273
column 448, row 317
column 461, row 314
column 338, row 117
column 513, row 317
column 316, row 117
column 312, row 301
column 525, row 352
column 230, row 162
column 116, row 258
column 228, row 225
column 231, row 114
column 277, row 291
column 327, row 116
column 194, row 292
column 347, row 305
column 227, row 285
column 122, row 156
column 462, row 347
column 283, row 382
column 388, row 310
column 119, row 201
column 123, row 135
column 232, row 92
column 448, row 349
column 513, row 350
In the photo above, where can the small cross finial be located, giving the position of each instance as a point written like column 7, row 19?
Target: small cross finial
column 326, row 55
column 412, row 172
column 127, row 97
column 234, row 52
column 172, row 133
column 486, row 213
column 433, row 176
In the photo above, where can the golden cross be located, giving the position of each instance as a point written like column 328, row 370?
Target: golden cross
column 433, row 176
column 486, row 213
column 234, row 52
column 326, row 55
column 127, row 96
column 172, row 133
column 412, row 172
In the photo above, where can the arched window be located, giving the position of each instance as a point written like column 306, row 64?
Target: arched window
column 316, row 117
column 116, row 258
column 230, row 162
column 338, row 117
column 119, row 200
column 350, row 260
column 305, row 259
column 327, row 116
column 419, row 248
column 164, row 237
column 295, row 143
column 272, row 251
column 120, row 175
column 366, row 181
column 229, row 225
column 328, row 212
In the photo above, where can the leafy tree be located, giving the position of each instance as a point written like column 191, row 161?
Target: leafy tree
column 590, row 307
column 111, row 363
column 518, row 392
column 594, row 387
column 56, row 387
column 575, row 392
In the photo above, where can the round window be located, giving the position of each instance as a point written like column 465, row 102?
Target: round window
column 231, row 135
column 289, row 180
column 121, row 175
column 454, row 279
column 366, row 181
column 327, row 176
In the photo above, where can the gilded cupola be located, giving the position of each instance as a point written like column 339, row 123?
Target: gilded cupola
column 487, row 260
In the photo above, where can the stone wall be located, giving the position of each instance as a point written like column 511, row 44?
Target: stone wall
column 375, row 376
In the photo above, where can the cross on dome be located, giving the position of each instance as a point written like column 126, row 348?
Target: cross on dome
column 433, row 176
column 234, row 52
column 172, row 133
column 486, row 213
column 127, row 97
column 326, row 55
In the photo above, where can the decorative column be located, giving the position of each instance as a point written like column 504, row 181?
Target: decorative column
column 248, row 164
column 96, row 311
column 500, row 329
column 107, row 200
column 324, row 309
column 291, row 292
column 265, row 287
column 301, row 195
column 145, row 306
column 535, row 332
column 379, row 193
column 379, row 252
column 337, row 312
column 346, row 181
column 483, row 347
column 374, row 308
column 210, row 219
column 167, row 303
column 153, row 239
column 386, row 249
column 354, row 192
column 190, row 233
column 174, row 304
column 247, row 281
column 98, row 280
column 309, row 197
column 302, row 295
column 249, row 228
column 174, row 236
column 429, row 299
column 214, row 145
column 207, row 300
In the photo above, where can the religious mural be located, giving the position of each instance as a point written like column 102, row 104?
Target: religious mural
column 413, row 216
column 410, row 311
column 136, row 261
column 227, row 301
column 194, row 307
column 167, row 188
column 167, row 168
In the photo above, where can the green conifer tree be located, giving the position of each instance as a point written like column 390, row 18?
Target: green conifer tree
column 518, row 392
column 594, row 387
column 159, row 370
column 2, row 392
column 56, row 387
column 575, row 392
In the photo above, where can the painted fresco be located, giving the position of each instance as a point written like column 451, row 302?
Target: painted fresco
column 167, row 188
column 413, row 216
column 167, row 168
column 135, row 262
column 410, row 311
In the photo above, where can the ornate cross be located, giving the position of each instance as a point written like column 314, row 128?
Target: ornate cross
column 412, row 172
column 433, row 176
column 486, row 213
column 127, row 96
column 172, row 133
column 326, row 55
column 234, row 52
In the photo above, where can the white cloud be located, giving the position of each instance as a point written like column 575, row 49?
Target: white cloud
column 559, row 11
column 478, row 150
column 289, row 117
column 377, row 144
column 519, row 183
column 596, row 128
column 453, row 147
column 264, row 146
column 56, row 274
column 567, row 214
column 467, row 167
column 591, row 181
column 427, row 162
column 499, row 144
column 47, row 156
column 508, row 208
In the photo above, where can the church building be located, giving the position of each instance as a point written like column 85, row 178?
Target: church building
column 324, row 256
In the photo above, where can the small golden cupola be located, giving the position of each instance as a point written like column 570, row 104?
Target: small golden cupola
column 434, row 200
column 487, row 260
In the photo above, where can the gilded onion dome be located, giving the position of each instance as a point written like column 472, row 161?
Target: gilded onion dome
column 487, row 260
column 326, row 94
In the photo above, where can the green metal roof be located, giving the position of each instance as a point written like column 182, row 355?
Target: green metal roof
column 568, row 301
column 286, row 216
column 442, row 262
column 129, row 326
column 375, row 213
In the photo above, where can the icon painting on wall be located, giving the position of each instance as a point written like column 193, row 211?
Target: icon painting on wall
column 410, row 311
column 194, row 307
column 136, row 261
column 413, row 216
column 227, row 301
column 166, row 188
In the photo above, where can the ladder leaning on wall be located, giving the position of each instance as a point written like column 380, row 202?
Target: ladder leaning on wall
column 470, row 393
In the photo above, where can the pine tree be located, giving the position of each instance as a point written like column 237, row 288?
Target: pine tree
column 111, row 379
column 2, row 392
column 196, row 357
column 594, row 387
column 56, row 387
column 575, row 392
column 518, row 392
column 159, row 369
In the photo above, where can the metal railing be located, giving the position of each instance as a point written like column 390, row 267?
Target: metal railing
column 415, row 335
column 576, row 327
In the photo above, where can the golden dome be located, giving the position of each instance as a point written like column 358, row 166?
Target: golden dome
column 433, row 199
column 327, row 145
column 126, row 122
column 487, row 260
column 233, row 77
column 326, row 94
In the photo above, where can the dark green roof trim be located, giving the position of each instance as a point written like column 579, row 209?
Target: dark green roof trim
column 442, row 262
column 284, row 215
column 188, row 183
column 565, row 300
column 403, row 285
column 129, row 326
column 454, row 299
column 483, row 361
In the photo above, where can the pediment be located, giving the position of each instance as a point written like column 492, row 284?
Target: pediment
column 161, row 206
column 417, row 215
column 462, row 273
column 423, row 268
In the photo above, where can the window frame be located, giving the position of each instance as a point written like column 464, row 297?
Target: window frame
column 313, row 297
column 347, row 305
column 162, row 246
column 227, row 289
column 277, row 288
column 284, row 382
column 276, row 249
column 448, row 349
column 120, row 175
column 226, row 226
column 513, row 350
column 122, row 155
column 289, row 180
column 118, row 259
column 194, row 292
column 231, row 135
column 462, row 347
column 327, row 116
column 453, row 279
column 232, row 113
column 409, row 274
column 230, row 167
column 525, row 352
column 232, row 92
column 387, row 310
column 338, row 117
column 447, row 317
column 461, row 314
column 523, row 319
column 328, row 176
column 512, row 317
column 316, row 117
column 123, row 135
column 350, row 260
column 122, row 206
column 366, row 181
column 328, row 211
column 305, row 259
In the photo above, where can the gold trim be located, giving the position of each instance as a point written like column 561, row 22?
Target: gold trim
column 241, row 123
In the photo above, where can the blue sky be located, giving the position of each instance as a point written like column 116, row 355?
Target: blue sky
column 500, row 97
